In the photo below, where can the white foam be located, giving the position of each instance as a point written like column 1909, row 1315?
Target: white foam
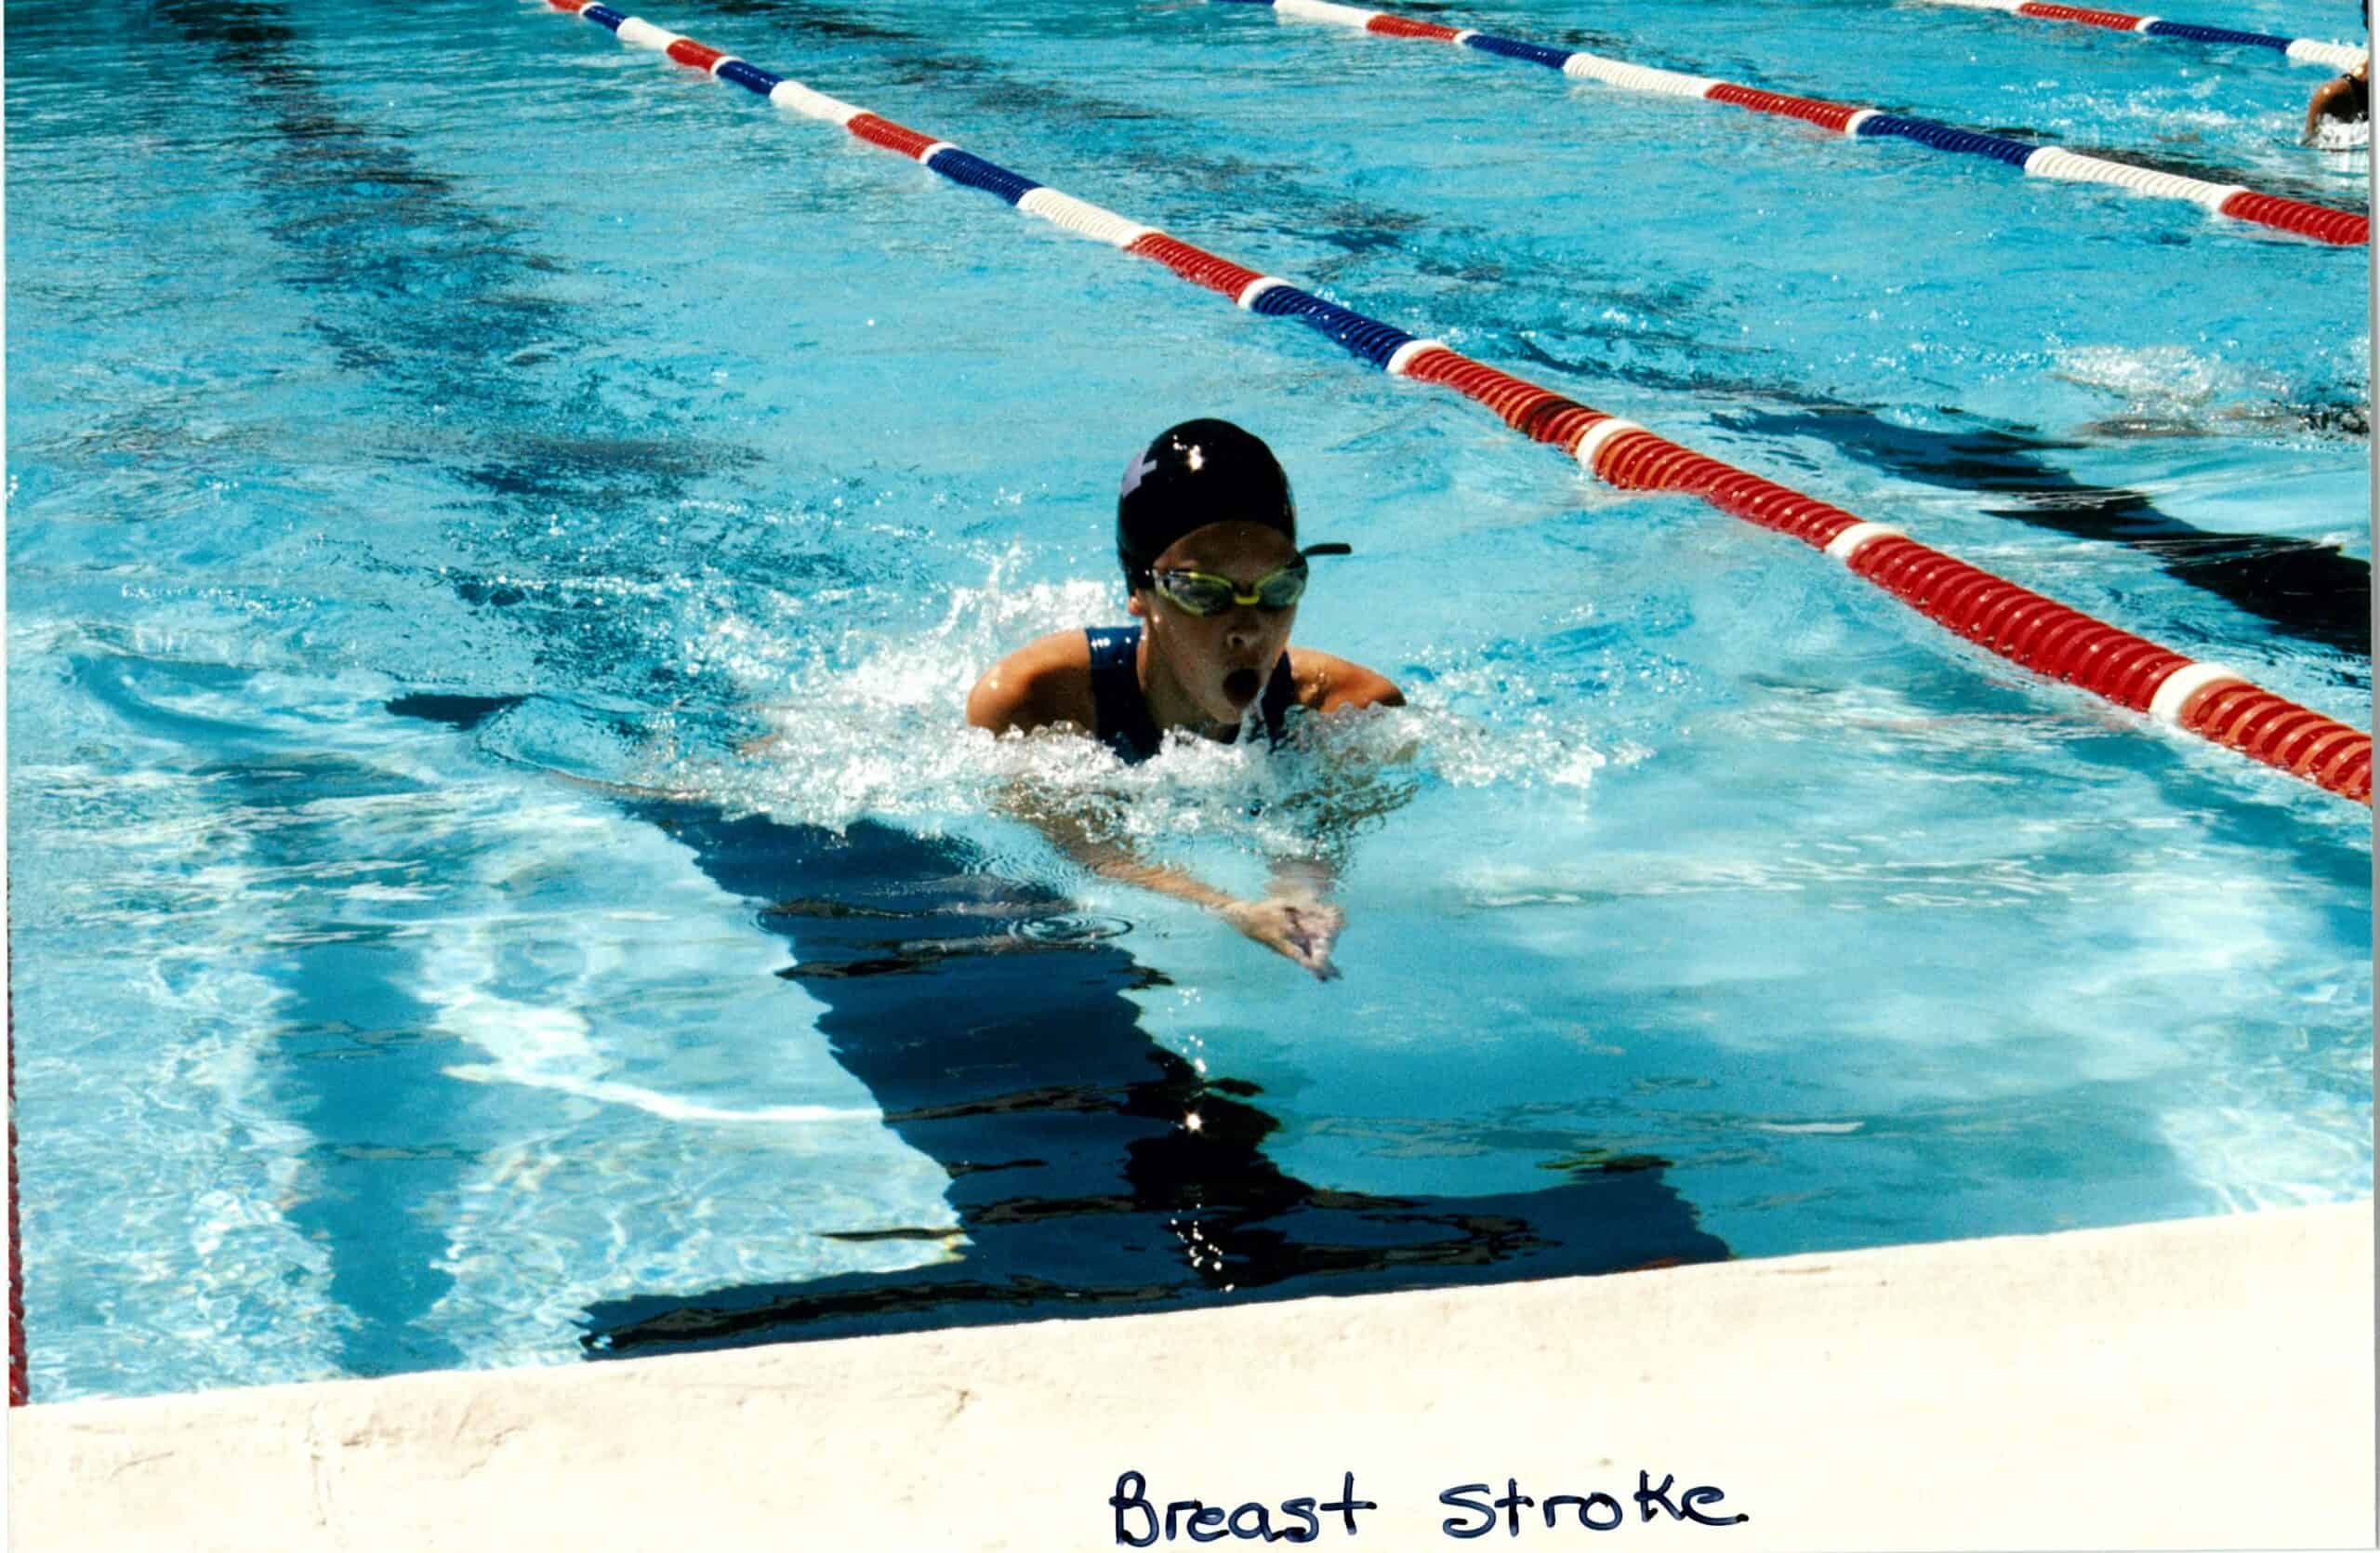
column 2332, row 135
column 2157, row 376
column 880, row 731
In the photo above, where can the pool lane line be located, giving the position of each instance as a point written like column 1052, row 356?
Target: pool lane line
column 2326, row 223
column 2303, row 51
column 2026, row 628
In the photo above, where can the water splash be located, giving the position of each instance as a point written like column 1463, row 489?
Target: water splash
column 874, row 726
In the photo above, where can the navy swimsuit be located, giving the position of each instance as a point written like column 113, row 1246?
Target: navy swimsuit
column 1125, row 726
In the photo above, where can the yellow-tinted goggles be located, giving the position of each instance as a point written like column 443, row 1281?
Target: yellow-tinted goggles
column 1205, row 593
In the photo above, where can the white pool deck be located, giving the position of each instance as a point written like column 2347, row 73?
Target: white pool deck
column 2206, row 1384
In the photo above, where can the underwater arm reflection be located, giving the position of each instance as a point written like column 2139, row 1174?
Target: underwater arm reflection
column 1293, row 920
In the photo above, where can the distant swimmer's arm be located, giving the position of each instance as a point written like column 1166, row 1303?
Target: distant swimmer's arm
column 2329, row 92
column 2324, row 95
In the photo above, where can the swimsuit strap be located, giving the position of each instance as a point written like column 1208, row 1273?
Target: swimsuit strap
column 1125, row 726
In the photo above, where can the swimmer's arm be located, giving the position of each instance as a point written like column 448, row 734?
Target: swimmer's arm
column 1313, row 877
column 1298, row 928
column 1110, row 859
column 1042, row 685
column 1044, row 688
column 1326, row 683
column 1024, row 693
column 2322, row 99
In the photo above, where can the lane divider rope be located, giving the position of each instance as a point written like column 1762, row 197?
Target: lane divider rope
column 2023, row 627
column 2325, row 223
column 2305, row 51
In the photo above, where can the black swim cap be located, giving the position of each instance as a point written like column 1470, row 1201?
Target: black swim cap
column 1198, row 473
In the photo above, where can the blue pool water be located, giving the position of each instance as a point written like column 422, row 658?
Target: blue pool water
column 428, row 423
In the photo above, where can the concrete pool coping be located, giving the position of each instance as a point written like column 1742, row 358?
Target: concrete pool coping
column 2207, row 1383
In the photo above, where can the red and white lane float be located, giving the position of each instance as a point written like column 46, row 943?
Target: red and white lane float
column 2306, row 51
column 2325, row 223
column 2019, row 625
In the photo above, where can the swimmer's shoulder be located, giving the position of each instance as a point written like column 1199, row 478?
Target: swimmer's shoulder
column 1330, row 684
column 1044, row 683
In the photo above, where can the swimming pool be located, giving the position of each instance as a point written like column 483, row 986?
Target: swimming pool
column 455, row 411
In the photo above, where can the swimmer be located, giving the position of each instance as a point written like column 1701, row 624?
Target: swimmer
column 1205, row 530
column 2344, row 100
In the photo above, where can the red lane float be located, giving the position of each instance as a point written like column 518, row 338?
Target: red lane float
column 891, row 136
column 2312, row 220
column 2021, row 626
column 1536, row 413
column 2116, row 19
column 1637, row 460
column 1196, row 265
column 1406, row 27
column 1827, row 116
column 2280, row 733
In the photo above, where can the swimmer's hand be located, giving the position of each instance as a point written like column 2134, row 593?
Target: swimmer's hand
column 1297, row 928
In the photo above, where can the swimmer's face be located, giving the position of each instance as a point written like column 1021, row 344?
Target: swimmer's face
column 1223, row 660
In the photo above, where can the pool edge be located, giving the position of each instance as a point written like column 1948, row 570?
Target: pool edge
column 2041, row 1391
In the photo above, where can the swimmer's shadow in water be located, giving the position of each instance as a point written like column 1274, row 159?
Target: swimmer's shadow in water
column 905, row 957
column 1090, row 1168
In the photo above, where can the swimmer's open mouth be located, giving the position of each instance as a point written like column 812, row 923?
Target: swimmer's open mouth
column 1241, row 685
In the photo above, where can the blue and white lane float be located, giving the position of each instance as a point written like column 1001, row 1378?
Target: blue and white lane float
column 2023, row 627
column 2322, row 222
column 2305, row 51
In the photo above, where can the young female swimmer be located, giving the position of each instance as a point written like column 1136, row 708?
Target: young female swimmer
column 1205, row 530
